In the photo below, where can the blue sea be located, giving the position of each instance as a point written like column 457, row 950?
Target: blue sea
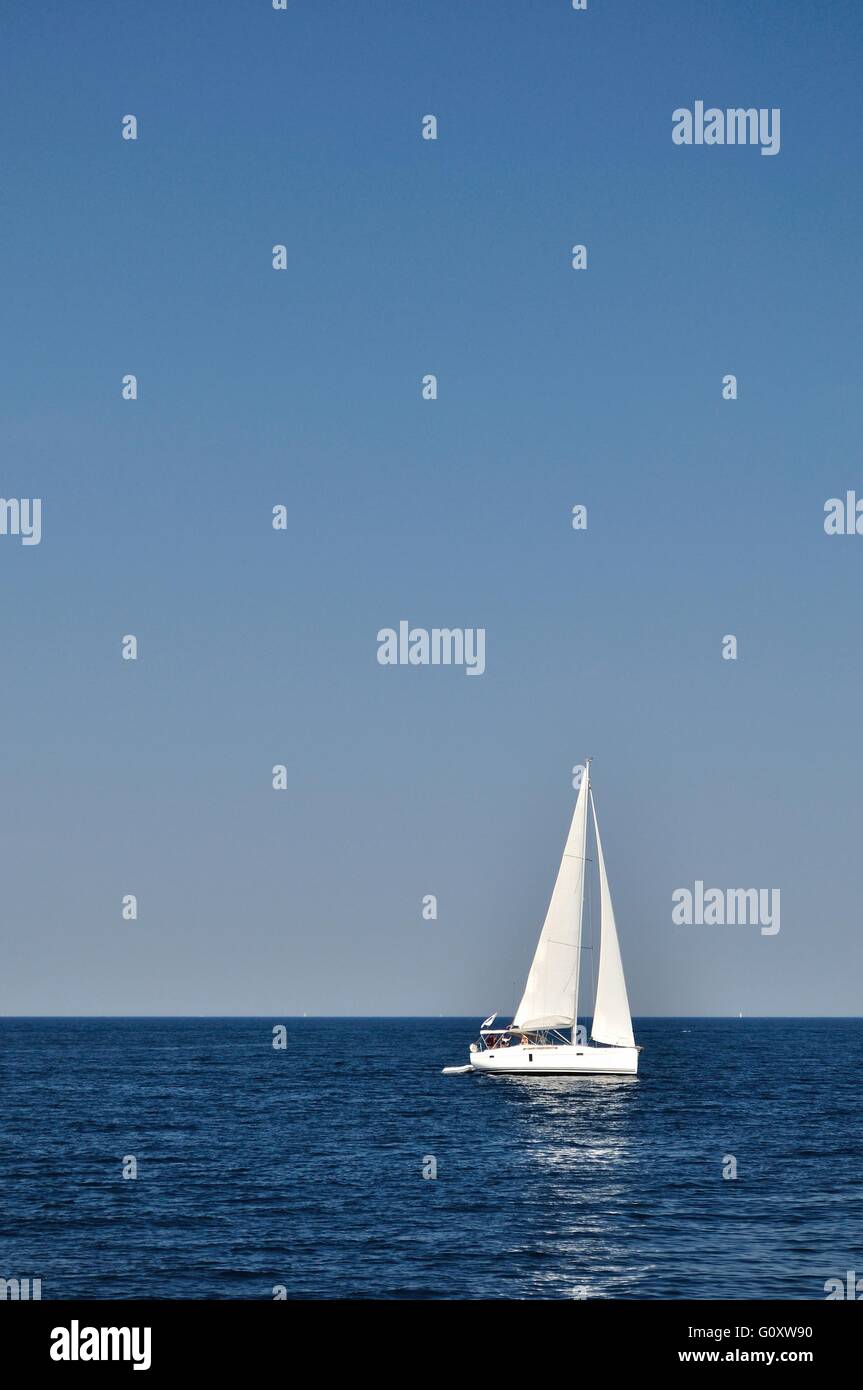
column 303, row 1169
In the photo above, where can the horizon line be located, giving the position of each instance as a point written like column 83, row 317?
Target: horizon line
column 423, row 1017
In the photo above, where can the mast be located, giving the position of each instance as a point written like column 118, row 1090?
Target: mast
column 580, row 906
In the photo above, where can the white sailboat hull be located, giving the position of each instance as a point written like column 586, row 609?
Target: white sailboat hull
column 556, row 1059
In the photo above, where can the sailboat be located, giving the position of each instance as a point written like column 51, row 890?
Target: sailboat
column 535, row 1042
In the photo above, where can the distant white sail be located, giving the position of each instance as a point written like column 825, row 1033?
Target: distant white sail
column 612, row 1021
column 551, row 992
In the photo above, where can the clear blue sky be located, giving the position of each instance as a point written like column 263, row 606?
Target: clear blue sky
column 556, row 387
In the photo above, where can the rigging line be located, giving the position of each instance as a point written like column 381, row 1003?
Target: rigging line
column 590, row 912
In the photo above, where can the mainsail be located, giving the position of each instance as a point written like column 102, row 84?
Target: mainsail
column 551, row 993
column 612, row 1021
